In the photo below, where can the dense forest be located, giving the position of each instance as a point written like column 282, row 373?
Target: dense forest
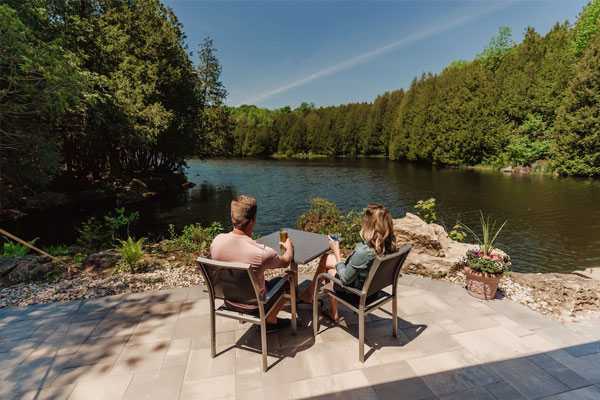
column 95, row 92
column 513, row 104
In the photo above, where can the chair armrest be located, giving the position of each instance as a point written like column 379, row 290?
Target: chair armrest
column 275, row 289
column 325, row 275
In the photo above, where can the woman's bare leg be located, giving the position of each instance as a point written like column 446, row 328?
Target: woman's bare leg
column 333, row 311
column 326, row 264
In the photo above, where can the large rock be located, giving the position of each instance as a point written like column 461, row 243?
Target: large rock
column 102, row 260
column 433, row 251
column 24, row 269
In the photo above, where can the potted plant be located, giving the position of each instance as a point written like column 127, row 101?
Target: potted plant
column 483, row 268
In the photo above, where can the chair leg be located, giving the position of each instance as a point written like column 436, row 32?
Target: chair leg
column 293, row 303
column 213, row 334
column 395, row 316
column 263, row 343
column 315, row 312
column 361, row 336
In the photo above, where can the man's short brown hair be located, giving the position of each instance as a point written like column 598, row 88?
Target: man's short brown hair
column 243, row 211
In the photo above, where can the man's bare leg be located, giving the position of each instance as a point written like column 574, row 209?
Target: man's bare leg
column 272, row 318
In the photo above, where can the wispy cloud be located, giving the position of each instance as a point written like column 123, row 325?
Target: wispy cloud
column 410, row 39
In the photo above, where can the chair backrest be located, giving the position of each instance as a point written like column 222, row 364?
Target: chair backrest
column 231, row 281
column 385, row 270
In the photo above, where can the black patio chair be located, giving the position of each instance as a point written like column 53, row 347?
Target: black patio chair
column 236, row 282
column 384, row 272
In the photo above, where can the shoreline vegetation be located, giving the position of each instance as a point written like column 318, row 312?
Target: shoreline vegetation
column 118, row 101
column 102, row 269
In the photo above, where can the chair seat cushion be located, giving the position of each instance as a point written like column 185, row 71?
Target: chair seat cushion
column 252, row 308
column 353, row 299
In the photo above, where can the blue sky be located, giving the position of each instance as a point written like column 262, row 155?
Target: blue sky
column 278, row 53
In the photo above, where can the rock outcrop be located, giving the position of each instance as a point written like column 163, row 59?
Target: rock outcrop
column 102, row 260
column 24, row 269
column 433, row 252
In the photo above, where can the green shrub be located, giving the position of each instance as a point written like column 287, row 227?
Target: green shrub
column 457, row 234
column 426, row 210
column 97, row 235
column 131, row 251
column 58, row 250
column 12, row 249
column 193, row 237
column 323, row 217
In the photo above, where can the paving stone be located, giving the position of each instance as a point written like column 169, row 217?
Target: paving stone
column 196, row 293
column 83, row 373
column 178, row 353
column 20, row 344
column 527, row 378
column 194, row 308
column 152, row 330
column 559, row 371
column 143, row 357
column 352, row 384
column 586, row 393
column 220, row 387
column 192, row 326
column 115, row 327
column 160, row 296
column 503, row 391
column 477, row 393
column 162, row 384
column 583, row 349
column 32, row 374
column 275, row 392
column 497, row 343
column 521, row 314
column 248, row 372
column 200, row 365
column 587, row 367
column 222, row 339
column 452, row 371
column 397, row 381
column 49, row 393
column 422, row 304
column 102, row 389
column 68, row 338
column 99, row 304
column 22, row 329
column 48, row 310
column 98, row 350
column 162, row 311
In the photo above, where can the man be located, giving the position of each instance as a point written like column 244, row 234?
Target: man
column 239, row 246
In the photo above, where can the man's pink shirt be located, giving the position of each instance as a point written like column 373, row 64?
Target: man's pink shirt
column 233, row 247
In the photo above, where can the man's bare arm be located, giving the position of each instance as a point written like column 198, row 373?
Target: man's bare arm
column 286, row 258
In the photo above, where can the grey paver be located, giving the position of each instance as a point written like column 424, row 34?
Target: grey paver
column 559, row 371
column 586, row 393
column 157, row 345
column 529, row 380
column 503, row 391
column 584, row 349
column 477, row 393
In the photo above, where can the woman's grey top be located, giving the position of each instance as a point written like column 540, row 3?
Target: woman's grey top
column 355, row 269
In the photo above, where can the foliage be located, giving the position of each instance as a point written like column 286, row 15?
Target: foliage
column 131, row 251
column 95, row 234
column 12, row 249
column 486, row 264
column 576, row 139
column 524, row 151
column 104, row 88
column 499, row 45
column 58, row 250
column 457, row 234
column 324, row 217
column 487, row 242
column 426, row 210
column 193, row 237
column 588, row 24
column 115, row 223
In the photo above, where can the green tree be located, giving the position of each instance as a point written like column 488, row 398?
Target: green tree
column 587, row 25
column 576, row 140
column 498, row 46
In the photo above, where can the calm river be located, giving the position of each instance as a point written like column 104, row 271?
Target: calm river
column 553, row 224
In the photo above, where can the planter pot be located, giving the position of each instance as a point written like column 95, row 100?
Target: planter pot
column 482, row 286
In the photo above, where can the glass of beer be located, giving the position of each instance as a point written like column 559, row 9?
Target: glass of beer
column 283, row 236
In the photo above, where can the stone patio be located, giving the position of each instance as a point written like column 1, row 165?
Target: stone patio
column 155, row 345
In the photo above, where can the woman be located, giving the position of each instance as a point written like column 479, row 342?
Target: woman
column 378, row 237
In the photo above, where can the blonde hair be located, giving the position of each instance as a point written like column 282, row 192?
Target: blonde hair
column 243, row 211
column 378, row 229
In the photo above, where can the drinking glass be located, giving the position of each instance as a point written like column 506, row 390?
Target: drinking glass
column 283, row 236
column 335, row 236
